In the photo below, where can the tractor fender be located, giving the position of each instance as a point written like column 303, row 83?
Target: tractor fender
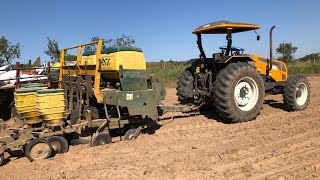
column 234, row 59
column 193, row 61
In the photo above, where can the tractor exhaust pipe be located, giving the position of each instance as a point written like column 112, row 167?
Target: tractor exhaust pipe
column 271, row 55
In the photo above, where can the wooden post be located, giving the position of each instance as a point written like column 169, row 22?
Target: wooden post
column 17, row 75
column 48, row 75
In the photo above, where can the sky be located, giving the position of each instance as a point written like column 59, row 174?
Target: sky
column 162, row 28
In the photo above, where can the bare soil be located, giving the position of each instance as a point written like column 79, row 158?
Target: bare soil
column 277, row 145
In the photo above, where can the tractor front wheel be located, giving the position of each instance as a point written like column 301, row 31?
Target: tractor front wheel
column 238, row 92
column 296, row 94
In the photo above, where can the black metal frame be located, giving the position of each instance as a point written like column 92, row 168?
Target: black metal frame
column 229, row 44
column 199, row 42
column 229, row 39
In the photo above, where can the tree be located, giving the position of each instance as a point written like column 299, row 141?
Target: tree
column 112, row 42
column 8, row 51
column 70, row 57
column 286, row 51
column 93, row 47
column 120, row 41
column 53, row 50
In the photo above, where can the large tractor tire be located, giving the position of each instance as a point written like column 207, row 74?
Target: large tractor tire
column 185, row 86
column 238, row 92
column 296, row 94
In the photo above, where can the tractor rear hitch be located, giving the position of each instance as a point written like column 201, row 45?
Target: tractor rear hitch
column 162, row 109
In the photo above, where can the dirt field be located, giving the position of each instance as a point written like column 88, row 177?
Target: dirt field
column 277, row 145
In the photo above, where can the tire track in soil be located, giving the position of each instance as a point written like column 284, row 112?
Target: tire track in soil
column 282, row 146
column 247, row 152
column 286, row 127
column 195, row 125
column 278, row 114
column 288, row 115
column 284, row 170
column 299, row 137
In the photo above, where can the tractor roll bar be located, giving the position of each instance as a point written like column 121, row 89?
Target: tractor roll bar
column 199, row 42
column 229, row 44
column 229, row 39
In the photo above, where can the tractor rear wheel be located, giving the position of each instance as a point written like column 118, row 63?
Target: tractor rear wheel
column 185, row 86
column 238, row 92
column 296, row 94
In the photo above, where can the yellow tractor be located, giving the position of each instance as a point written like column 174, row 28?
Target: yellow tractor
column 235, row 83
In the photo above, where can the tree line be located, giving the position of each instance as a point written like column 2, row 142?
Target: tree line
column 10, row 51
column 286, row 53
column 53, row 50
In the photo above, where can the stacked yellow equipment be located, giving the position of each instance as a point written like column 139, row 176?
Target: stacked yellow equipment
column 35, row 102
column 25, row 102
column 50, row 104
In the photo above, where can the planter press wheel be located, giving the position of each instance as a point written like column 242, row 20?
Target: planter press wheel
column 59, row 144
column 132, row 133
column 100, row 139
column 39, row 148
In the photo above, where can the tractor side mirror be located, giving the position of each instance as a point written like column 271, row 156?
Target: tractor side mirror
column 258, row 36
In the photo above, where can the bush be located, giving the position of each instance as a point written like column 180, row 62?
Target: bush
column 303, row 68
column 168, row 71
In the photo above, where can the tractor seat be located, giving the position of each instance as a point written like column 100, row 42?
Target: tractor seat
column 233, row 48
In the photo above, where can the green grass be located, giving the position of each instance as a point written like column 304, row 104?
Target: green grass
column 169, row 71
column 307, row 68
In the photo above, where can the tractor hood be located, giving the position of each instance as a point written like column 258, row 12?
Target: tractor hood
column 221, row 27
